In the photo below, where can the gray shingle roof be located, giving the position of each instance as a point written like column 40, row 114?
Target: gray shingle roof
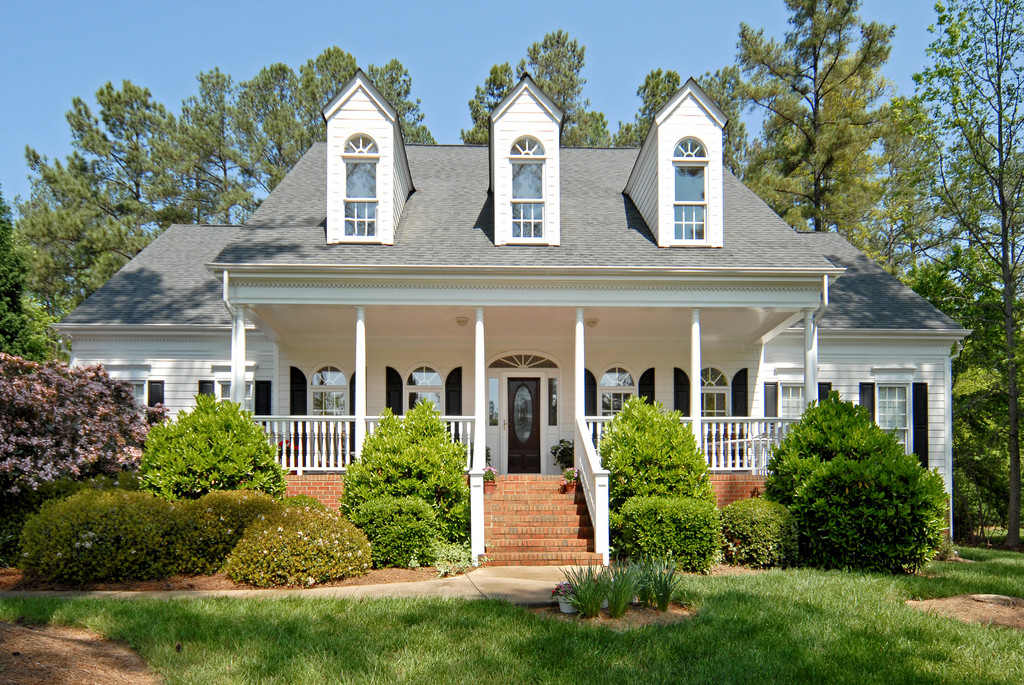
column 449, row 220
column 869, row 297
column 167, row 283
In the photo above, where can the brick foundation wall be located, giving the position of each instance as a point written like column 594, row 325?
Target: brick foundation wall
column 730, row 487
column 325, row 487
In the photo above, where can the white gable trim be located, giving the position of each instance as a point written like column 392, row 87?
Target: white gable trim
column 360, row 82
column 527, row 84
column 691, row 89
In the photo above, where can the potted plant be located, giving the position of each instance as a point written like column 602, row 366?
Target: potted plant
column 563, row 593
column 570, row 477
column 490, row 479
column 563, row 453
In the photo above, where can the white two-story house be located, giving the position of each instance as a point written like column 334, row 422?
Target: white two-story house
column 526, row 290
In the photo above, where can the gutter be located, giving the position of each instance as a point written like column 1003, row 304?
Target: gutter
column 227, row 303
column 824, row 300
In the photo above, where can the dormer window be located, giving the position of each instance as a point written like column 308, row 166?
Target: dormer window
column 361, row 158
column 527, row 157
column 690, row 161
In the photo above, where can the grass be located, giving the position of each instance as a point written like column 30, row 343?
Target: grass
column 779, row 627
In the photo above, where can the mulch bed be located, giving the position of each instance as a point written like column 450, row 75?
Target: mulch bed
column 637, row 616
column 996, row 610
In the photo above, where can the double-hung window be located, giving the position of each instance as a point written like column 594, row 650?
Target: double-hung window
column 361, row 158
column 891, row 410
column 792, row 401
column 329, row 388
column 527, row 156
column 714, row 392
column 617, row 387
column 690, row 160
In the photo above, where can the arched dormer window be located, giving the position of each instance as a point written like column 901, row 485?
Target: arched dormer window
column 616, row 388
column 527, row 157
column 425, row 385
column 714, row 392
column 329, row 389
column 690, row 160
column 361, row 156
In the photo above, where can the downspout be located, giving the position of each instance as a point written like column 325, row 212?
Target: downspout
column 824, row 299
column 227, row 303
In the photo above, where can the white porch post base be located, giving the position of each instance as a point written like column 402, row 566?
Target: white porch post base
column 476, row 473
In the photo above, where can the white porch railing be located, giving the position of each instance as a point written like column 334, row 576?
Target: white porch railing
column 730, row 443
column 594, row 481
column 327, row 443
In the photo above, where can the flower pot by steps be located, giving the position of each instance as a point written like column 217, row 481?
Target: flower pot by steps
column 566, row 607
column 490, row 486
column 569, row 487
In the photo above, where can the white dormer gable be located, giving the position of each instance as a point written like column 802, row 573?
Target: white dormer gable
column 525, row 129
column 368, row 178
column 676, row 183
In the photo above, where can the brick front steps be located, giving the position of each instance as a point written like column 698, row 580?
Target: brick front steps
column 528, row 522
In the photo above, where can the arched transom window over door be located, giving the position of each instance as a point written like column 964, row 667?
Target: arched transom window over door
column 616, row 388
column 714, row 392
column 329, row 389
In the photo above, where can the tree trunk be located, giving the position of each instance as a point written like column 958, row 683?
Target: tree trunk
column 1013, row 392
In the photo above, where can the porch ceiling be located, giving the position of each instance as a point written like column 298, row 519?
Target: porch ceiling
column 333, row 322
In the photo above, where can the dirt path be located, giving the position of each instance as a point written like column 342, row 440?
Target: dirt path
column 995, row 610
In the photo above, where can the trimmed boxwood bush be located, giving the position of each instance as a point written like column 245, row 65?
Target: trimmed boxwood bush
column 759, row 533
column 215, row 446
column 204, row 531
column 413, row 457
column 299, row 546
column 881, row 513
column 402, row 530
column 97, row 536
column 687, row 529
column 649, row 452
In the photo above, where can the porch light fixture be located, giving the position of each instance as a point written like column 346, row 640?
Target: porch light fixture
column 591, row 323
column 462, row 320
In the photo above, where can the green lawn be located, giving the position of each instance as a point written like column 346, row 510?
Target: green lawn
column 778, row 627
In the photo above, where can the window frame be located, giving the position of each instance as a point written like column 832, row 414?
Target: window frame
column 361, row 154
column 689, row 161
column 522, row 154
column 717, row 390
column 328, row 388
column 904, row 434
column 623, row 393
column 224, row 388
column 791, row 387
column 414, row 389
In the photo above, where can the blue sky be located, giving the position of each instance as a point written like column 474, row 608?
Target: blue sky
column 54, row 51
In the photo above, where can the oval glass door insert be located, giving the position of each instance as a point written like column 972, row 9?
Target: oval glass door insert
column 522, row 414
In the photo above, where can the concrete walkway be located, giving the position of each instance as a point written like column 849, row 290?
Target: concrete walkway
column 526, row 585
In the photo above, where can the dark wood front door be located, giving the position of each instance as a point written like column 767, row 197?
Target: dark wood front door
column 523, row 425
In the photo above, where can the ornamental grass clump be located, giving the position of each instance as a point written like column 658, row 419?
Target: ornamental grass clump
column 589, row 589
column 658, row 581
column 300, row 546
column 623, row 582
column 216, row 446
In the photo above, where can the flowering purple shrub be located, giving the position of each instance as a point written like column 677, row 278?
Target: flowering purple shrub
column 62, row 422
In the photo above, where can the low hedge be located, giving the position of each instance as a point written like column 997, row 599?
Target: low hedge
column 299, row 546
column 687, row 529
column 759, row 533
column 204, row 531
column 402, row 530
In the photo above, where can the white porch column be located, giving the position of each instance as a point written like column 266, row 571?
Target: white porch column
column 579, row 382
column 696, row 399
column 360, row 371
column 238, row 354
column 810, row 357
column 476, row 473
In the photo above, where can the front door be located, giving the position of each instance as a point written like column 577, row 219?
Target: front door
column 523, row 425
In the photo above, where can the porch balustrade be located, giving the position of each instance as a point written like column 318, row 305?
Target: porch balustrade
column 327, row 443
column 594, row 481
column 730, row 443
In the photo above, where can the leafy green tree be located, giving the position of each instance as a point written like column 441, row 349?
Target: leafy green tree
column 975, row 90
column 496, row 86
column 88, row 216
column 395, row 84
column 654, row 92
column 18, row 336
column 822, row 96
column 725, row 87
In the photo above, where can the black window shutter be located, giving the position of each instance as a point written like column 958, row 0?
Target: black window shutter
column 453, row 393
column 589, row 393
column 352, row 410
column 771, row 399
column 823, row 390
column 297, row 393
column 739, row 393
column 681, row 391
column 919, row 405
column 867, row 397
column 206, row 388
column 393, row 391
column 261, row 399
column 645, row 387
column 155, row 393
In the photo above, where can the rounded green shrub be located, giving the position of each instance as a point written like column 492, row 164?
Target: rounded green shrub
column 204, row 531
column 299, row 546
column 759, row 533
column 402, row 530
column 883, row 512
column 827, row 430
column 649, row 452
column 413, row 457
column 303, row 501
column 96, row 536
column 687, row 529
column 215, row 446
